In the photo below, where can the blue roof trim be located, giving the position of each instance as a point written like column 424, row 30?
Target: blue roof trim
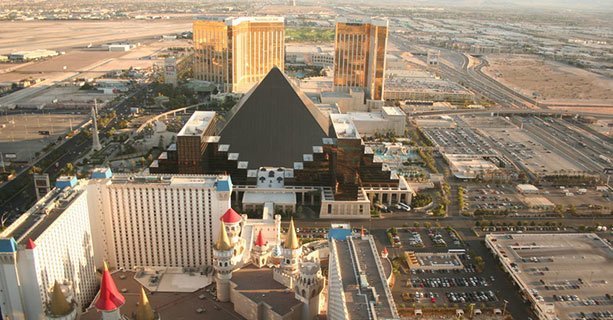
column 66, row 183
column 224, row 185
column 8, row 245
column 107, row 174
column 339, row 234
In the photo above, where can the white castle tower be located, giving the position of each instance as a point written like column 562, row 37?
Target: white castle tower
column 96, row 146
column 260, row 252
column 308, row 287
column 290, row 253
column 224, row 264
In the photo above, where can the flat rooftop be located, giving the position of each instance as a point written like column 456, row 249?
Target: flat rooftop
column 170, row 305
column 548, row 265
column 395, row 111
column 259, row 286
column 197, row 123
column 32, row 223
column 207, row 181
column 344, row 127
column 363, row 275
column 366, row 116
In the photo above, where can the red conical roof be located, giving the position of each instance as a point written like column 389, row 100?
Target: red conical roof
column 231, row 216
column 260, row 240
column 109, row 298
column 30, row 245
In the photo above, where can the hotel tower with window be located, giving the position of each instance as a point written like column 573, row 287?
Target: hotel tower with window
column 236, row 53
column 359, row 56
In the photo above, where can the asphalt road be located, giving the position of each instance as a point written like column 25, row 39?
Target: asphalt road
column 71, row 151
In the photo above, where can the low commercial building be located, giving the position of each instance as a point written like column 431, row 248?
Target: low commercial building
column 32, row 55
column 470, row 166
column 350, row 100
column 388, row 119
column 414, row 85
column 527, row 189
column 545, row 268
column 317, row 56
column 537, row 203
column 121, row 47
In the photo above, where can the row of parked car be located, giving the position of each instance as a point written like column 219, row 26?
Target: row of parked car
column 475, row 296
column 450, row 282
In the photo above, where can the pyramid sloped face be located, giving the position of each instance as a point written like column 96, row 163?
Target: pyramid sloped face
column 274, row 124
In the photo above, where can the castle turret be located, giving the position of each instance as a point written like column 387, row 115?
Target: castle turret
column 109, row 299
column 384, row 253
column 10, row 300
column 232, row 220
column 225, row 261
column 308, row 286
column 58, row 307
column 34, row 304
column 291, row 251
column 144, row 311
column 260, row 251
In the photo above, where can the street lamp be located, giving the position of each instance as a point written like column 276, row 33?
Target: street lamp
column 504, row 309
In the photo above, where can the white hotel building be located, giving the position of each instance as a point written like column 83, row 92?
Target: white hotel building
column 166, row 221
column 127, row 220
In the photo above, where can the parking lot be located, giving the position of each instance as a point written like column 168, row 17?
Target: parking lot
column 460, row 287
column 500, row 199
column 459, row 140
column 426, row 239
column 546, row 267
column 438, row 279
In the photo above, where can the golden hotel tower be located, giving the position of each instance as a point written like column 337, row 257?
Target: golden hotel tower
column 359, row 56
column 236, row 53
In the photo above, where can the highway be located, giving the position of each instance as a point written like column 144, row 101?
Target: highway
column 459, row 70
column 71, row 151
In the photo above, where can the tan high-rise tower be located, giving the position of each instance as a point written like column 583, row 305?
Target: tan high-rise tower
column 359, row 56
column 236, row 53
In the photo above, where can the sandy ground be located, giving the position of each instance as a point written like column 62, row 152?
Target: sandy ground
column 30, row 35
column 81, row 63
column 553, row 82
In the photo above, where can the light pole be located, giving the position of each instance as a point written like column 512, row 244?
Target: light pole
column 504, row 309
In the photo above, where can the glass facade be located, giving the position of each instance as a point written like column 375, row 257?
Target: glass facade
column 237, row 53
column 359, row 57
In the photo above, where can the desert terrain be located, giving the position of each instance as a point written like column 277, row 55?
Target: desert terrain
column 550, row 82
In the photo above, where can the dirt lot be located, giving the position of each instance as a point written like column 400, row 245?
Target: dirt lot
column 551, row 82
column 30, row 35
column 20, row 134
